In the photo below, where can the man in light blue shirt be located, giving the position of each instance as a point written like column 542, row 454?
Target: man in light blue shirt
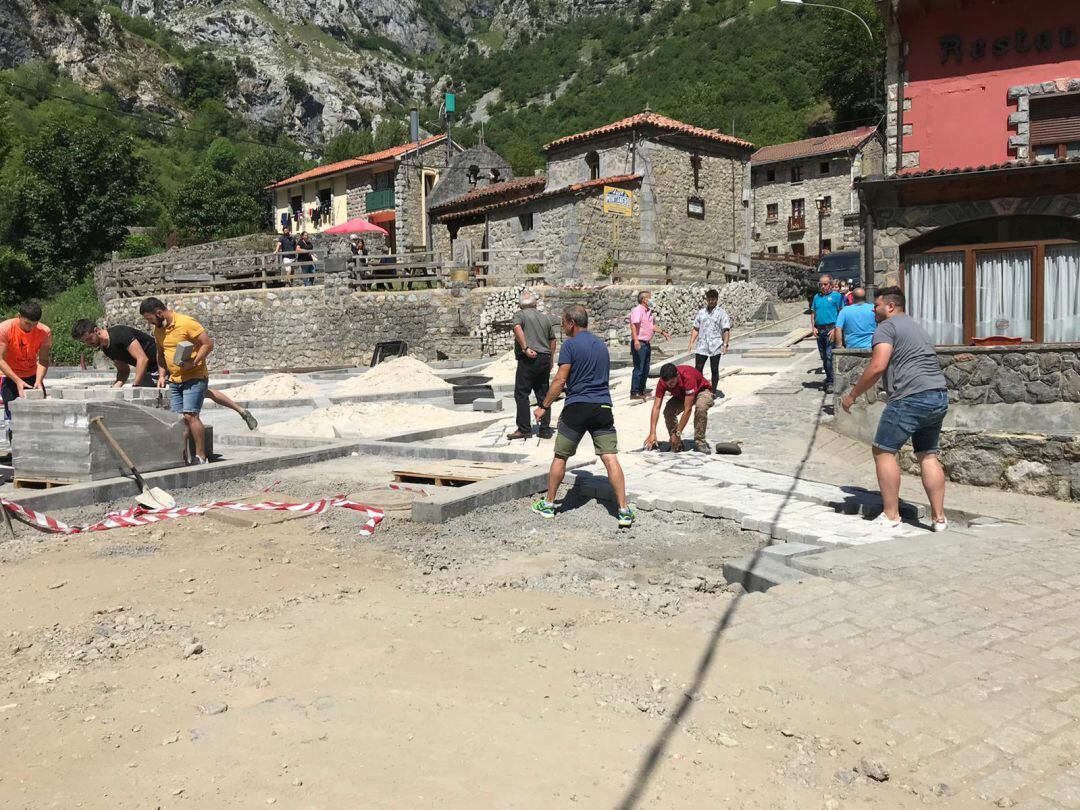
column 824, row 310
column 856, row 323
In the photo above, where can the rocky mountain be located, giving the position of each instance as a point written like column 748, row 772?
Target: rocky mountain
column 310, row 68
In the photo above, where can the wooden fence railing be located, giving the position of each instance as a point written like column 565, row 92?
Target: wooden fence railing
column 672, row 267
column 790, row 258
column 511, row 266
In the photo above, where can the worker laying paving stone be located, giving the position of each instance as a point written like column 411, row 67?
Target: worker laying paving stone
column 132, row 348
column 690, row 394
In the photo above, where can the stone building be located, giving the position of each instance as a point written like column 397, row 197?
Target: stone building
column 805, row 191
column 685, row 189
column 389, row 188
column 978, row 216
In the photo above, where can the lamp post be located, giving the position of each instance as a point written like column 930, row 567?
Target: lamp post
column 820, row 202
column 866, row 25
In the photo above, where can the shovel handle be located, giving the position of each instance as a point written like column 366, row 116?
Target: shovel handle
column 99, row 423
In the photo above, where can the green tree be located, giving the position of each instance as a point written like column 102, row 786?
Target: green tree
column 214, row 205
column 221, row 155
column 390, row 132
column 348, row 144
column 75, row 194
column 852, row 65
column 261, row 167
column 17, row 279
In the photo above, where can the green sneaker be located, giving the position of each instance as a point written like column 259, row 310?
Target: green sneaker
column 626, row 518
column 543, row 508
column 249, row 420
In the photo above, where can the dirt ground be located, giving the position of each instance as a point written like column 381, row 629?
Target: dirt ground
column 497, row 661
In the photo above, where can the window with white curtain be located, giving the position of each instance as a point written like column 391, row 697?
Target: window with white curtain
column 934, row 284
column 1061, row 291
column 1003, row 293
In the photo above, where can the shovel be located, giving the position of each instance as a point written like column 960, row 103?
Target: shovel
column 150, row 497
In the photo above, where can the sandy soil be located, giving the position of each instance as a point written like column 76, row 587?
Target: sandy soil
column 368, row 419
column 273, row 386
column 491, row 662
column 398, row 376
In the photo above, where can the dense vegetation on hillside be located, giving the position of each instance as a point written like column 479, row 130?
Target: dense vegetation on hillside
column 769, row 73
column 80, row 168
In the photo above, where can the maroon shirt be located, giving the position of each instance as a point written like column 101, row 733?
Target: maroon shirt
column 690, row 381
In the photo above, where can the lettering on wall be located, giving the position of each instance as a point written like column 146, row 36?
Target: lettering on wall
column 954, row 47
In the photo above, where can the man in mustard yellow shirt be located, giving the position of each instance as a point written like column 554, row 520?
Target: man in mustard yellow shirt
column 188, row 380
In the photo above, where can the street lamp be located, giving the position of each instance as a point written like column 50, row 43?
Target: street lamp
column 820, row 202
column 866, row 25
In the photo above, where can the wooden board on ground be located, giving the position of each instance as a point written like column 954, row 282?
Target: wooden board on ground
column 450, row 473
column 252, row 520
column 770, row 352
column 794, row 336
column 38, row 483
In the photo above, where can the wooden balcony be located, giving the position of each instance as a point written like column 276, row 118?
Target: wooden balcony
column 796, row 223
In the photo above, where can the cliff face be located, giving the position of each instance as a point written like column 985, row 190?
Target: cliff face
column 309, row 67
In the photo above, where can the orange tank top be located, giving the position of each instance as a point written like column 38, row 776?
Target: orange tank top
column 23, row 347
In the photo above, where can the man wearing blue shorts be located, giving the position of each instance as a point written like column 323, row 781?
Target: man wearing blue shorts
column 188, row 379
column 918, row 402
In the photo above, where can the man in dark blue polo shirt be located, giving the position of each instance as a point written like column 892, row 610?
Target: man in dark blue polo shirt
column 584, row 367
column 824, row 310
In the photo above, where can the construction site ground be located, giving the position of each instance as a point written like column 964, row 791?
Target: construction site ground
column 501, row 660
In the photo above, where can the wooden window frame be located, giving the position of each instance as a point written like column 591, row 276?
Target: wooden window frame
column 772, row 217
column 1038, row 293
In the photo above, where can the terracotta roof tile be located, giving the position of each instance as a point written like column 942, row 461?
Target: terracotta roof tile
column 654, row 121
column 356, row 162
column 543, row 195
column 1012, row 164
column 493, row 190
column 809, row 147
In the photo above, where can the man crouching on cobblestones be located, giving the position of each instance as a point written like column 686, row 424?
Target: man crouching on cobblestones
column 918, row 401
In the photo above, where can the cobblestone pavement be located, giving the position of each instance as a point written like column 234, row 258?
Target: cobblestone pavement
column 967, row 640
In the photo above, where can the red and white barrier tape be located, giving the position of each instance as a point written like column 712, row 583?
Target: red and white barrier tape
column 140, row 516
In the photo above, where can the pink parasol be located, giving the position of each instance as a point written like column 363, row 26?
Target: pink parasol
column 357, row 225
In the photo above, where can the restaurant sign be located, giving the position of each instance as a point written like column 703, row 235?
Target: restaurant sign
column 957, row 48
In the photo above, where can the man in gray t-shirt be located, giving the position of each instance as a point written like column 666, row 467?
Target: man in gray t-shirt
column 534, row 346
column 904, row 354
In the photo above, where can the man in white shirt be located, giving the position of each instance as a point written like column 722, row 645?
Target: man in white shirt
column 710, row 335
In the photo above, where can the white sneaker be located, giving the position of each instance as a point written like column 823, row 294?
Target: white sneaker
column 941, row 525
column 884, row 521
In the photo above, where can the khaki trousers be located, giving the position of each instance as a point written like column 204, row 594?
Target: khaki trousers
column 702, row 403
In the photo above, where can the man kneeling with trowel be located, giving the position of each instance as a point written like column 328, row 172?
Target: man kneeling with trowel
column 690, row 393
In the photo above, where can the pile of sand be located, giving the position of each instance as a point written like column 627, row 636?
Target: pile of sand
column 402, row 375
column 503, row 370
column 273, row 386
column 367, row 419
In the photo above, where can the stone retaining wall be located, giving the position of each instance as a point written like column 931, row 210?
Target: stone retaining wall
column 331, row 325
column 1014, row 415
column 784, row 280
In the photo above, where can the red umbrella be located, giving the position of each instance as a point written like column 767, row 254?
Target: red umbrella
column 358, row 225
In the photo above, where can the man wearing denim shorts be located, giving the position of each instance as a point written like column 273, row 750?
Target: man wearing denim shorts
column 189, row 379
column 584, row 368
column 918, row 401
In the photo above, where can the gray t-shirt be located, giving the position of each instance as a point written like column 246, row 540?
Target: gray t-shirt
column 538, row 328
column 913, row 367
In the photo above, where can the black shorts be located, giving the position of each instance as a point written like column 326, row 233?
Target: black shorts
column 8, row 390
column 586, row 417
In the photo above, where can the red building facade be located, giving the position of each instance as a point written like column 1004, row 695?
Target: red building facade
column 978, row 215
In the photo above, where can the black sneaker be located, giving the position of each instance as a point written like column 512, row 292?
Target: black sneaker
column 703, row 448
column 547, row 433
column 517, row 434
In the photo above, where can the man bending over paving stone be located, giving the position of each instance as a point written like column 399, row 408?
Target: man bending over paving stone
column 690, row 393
column 918, row 401
column 584, row 368
column 25, row 344
column 128, row 347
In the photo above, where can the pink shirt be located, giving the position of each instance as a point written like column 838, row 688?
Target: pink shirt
column 641, row 316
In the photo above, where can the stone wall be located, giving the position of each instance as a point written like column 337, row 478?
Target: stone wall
column 566, row 166
column 330, row 325
column 837, row 183
column 670, row 182
column 994, row 394
column 786, row 281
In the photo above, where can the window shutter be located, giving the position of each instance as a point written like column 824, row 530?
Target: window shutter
column 1055, row 119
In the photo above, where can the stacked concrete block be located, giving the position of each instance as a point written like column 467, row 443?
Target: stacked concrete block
column 487, row 405
column 53, row 439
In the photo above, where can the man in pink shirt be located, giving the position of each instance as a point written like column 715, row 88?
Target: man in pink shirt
column 642, row 328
